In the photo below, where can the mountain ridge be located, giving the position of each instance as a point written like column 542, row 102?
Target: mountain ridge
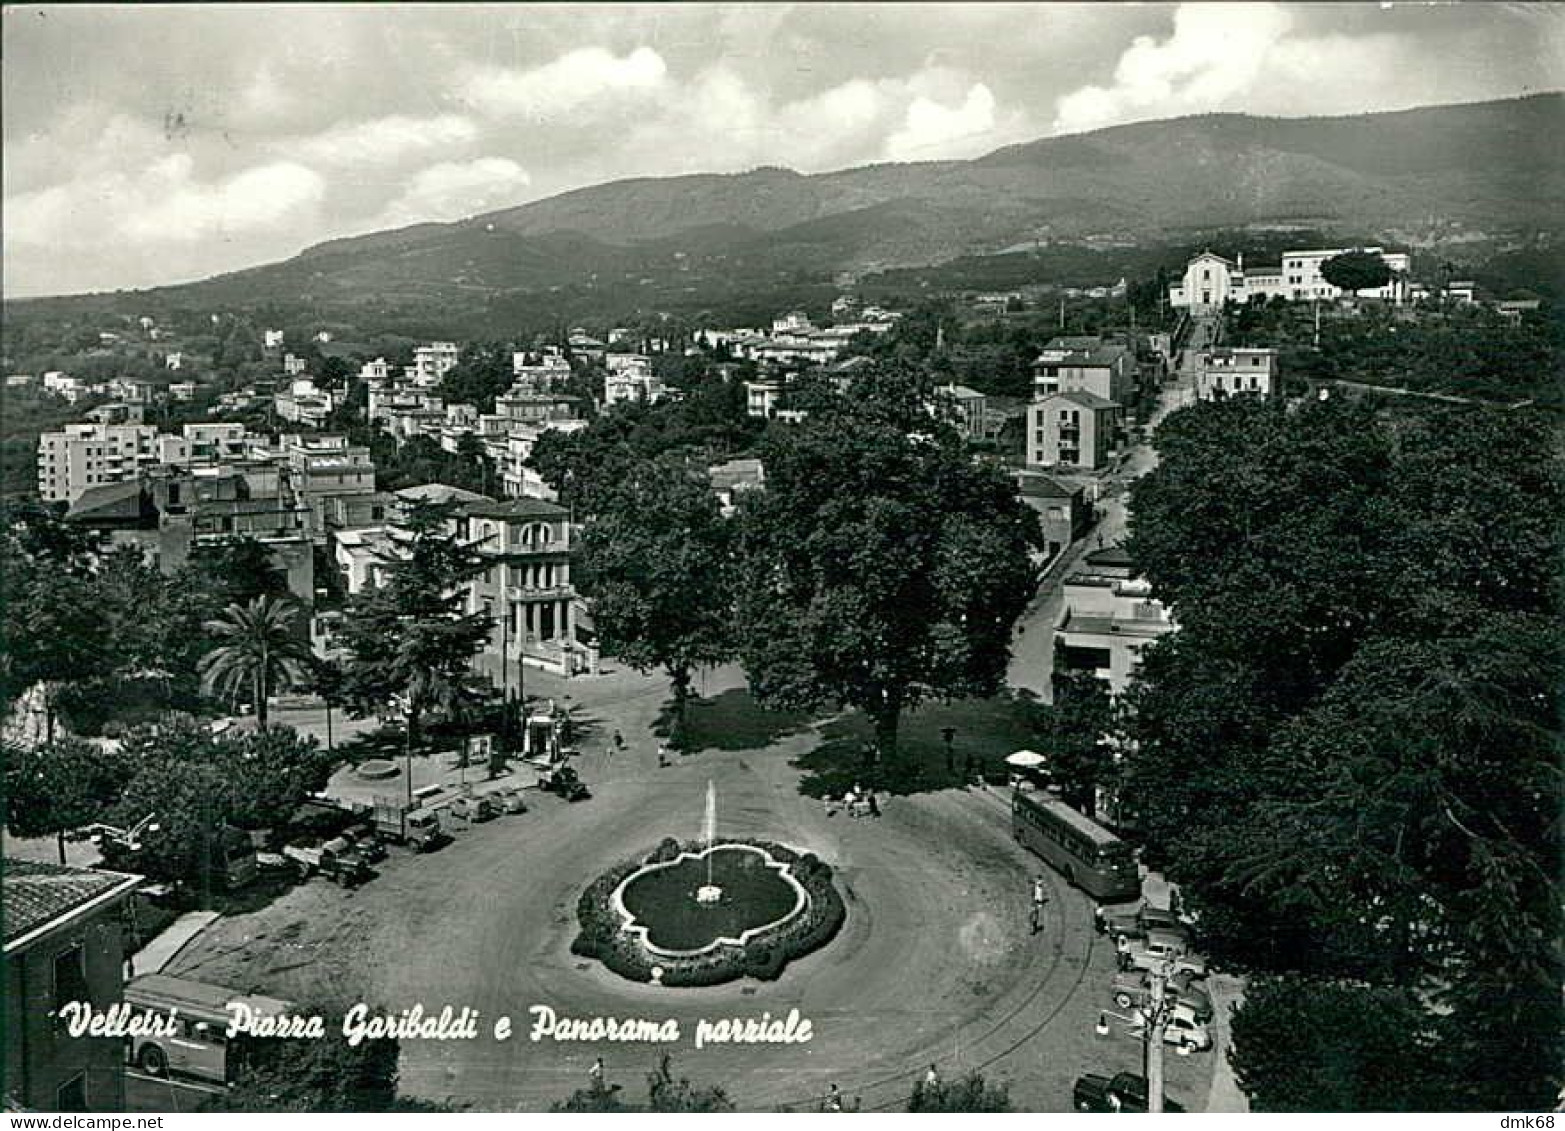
column 1470, row 165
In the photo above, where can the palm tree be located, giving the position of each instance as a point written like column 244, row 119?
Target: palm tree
column 259, row 649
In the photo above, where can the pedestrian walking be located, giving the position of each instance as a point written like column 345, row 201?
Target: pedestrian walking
column 834, row 1099
column 619, row 741
column 662, row 755
column 595, row 1073
column 932, row 1078
column 1039, row 898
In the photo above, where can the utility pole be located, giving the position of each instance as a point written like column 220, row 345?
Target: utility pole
column 1157, row 1020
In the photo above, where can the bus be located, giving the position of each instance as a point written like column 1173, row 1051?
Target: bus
column 1076, row 846
column 199, row 1048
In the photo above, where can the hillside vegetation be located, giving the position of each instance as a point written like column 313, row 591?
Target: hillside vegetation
column 693, row 241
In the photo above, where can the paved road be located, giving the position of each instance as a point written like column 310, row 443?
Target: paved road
column 1032, row 645
column 935, row 963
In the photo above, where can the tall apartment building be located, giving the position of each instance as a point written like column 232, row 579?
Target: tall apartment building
column 527, row 588
column 432, row 362
column 80, row 456
column 204, row 443
column 1077, row 430
column 320, row 467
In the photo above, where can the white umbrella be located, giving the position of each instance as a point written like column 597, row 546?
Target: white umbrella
column 1026, row 759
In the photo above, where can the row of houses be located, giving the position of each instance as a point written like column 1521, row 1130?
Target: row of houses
column 793, row 339
column 129, row 390
column 536, row 403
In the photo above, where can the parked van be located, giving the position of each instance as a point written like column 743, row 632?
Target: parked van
column 474, row 808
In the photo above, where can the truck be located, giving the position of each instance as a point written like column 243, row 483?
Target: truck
column 334, row 859
column 1125, row 1092
column 417, row 827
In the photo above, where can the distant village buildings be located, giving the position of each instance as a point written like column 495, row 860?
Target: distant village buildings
column 1210, row 280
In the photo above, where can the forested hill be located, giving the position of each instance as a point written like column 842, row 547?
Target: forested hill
column 1470, row 168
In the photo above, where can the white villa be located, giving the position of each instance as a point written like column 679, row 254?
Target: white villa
column 1210, row 280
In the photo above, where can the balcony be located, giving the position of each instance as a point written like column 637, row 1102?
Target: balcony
column 540, row 593
column 554, row 546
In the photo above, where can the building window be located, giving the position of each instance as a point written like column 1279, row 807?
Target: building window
column 70, row 977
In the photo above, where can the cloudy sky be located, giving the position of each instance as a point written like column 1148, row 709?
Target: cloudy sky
column 146, row 145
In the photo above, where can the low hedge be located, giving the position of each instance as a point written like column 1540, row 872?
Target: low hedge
column 763, row 957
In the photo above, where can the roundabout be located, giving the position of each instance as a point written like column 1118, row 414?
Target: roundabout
column 932, row 961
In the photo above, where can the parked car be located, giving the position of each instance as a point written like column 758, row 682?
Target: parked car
column 1182, row 1027
column 1160, row 947
column 1125, row 1092
column 565, row 781
column 509, row 800
column 474, row 809
column 1135, row 920
column 1130, row 989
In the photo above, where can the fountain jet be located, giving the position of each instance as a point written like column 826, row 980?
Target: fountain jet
column 709, row 892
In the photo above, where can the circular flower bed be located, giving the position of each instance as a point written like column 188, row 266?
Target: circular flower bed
column 777, row 905
column 376, row 769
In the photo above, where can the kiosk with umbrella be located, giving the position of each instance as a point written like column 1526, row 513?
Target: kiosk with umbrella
column 1027, row 768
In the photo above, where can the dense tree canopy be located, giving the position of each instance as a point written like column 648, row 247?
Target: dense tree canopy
column 52, row 789
column 656, row 566
column 1307, row 1045
column 1355, row 271
column 708, row 422
column 201, row 787
column 880, row 566
column 482, row 373
column 1348, row 754
column 411, row 640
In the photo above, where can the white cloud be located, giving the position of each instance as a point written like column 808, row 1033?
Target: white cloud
column 383, row 141
column 451, row 190
column 1216, row 52
column 1256, row 58
column 161, row 204
column 932, row 130
column 569, row 83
